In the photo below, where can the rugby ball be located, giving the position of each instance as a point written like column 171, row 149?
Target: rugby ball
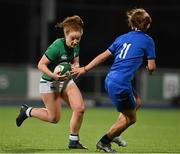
column 63, row 69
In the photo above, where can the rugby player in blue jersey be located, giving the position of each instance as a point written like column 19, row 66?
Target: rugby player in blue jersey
column 128, row 51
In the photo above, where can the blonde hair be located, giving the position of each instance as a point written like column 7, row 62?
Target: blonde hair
column 139, row 19
column 71, row 23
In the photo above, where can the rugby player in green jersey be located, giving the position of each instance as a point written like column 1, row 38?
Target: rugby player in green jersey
column 54, row 88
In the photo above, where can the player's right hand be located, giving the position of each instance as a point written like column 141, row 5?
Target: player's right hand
column 58, row 77
column 78, row 71
column 55, row 76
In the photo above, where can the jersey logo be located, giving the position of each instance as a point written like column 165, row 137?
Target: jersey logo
column 124, row 50
column 64, row 57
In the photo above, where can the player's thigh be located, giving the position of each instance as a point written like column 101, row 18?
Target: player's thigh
column 73, row 97
column 52, row 102
column 122, row 98
column 127, row 101
column 123, row 101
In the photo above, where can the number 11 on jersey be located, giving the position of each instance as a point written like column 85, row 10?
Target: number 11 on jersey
column 124, row 50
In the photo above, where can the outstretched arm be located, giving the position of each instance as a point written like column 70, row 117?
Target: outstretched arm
column 96, row 61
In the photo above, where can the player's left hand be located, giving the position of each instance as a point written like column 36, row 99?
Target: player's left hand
column 149, row 71
column 78, row 71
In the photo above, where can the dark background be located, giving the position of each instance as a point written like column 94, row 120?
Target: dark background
column 104, row 21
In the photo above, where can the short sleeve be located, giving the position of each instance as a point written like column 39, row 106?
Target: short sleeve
column 150, row 49
column 52, row 51
column 113, row 47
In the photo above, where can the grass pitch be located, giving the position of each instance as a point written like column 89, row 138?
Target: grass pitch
column 156, row 131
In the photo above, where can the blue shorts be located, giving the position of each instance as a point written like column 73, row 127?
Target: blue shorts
column 122, row 97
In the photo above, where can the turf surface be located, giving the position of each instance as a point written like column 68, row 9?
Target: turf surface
column 156, row 131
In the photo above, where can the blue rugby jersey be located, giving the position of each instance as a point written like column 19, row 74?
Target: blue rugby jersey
column 128, row 51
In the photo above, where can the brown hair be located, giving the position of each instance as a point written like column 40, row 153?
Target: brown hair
column 138, row 19
column 69, row 23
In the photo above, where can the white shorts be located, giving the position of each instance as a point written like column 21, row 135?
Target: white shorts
column 53, row 86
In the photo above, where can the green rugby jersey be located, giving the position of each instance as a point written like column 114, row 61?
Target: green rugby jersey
column 59, row 52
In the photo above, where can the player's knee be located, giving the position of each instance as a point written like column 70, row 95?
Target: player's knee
column 57, row 120
column 80, row 109
column 132, row 121
column 54, row 119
